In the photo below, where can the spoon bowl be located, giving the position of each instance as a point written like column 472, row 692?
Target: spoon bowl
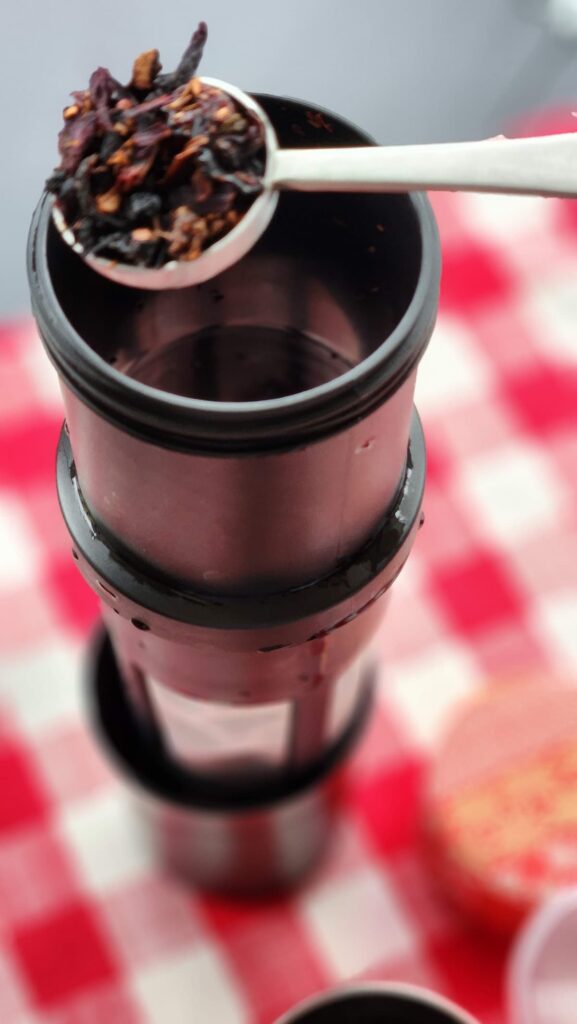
column 216, row 257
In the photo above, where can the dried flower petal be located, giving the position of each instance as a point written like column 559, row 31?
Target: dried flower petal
column 74, row 140
column 142, row 108
column 101, row 88
column 142, row 206
column 122, row 156
column 108, row 202
column 145, row 69
column 181, row 159
column 110, row 145
column 130, row 177
column 151, row 136
column 142, row 235
column 191, row 57
column 158, row 169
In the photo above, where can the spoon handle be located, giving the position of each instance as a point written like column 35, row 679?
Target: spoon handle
column 544, row 166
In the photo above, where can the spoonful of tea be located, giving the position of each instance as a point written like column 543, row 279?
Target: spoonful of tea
column 170, row 179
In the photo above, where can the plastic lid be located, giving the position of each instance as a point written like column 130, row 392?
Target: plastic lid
column 502, row 801
column 542, row 975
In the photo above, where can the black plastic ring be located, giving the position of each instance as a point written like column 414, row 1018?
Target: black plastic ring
column 171, row 598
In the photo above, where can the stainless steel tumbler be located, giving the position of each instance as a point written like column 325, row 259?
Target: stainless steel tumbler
column 241, row 472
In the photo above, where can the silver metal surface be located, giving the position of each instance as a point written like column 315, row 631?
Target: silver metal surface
column 245, row 852
column 247, row 846
column 543, row 166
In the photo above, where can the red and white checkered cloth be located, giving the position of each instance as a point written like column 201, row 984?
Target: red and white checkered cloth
column 90, row 930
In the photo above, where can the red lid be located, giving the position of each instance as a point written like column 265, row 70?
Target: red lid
column 501, row 814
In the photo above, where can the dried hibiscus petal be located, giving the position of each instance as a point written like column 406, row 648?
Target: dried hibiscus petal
column 74, row 139
column 158, row 169
column 131, row 176
column 189, row 61
column 151, row 136
column 142, row 206
column 109, row 145
column 144, row 70
column 101, row 88
column 108, row 202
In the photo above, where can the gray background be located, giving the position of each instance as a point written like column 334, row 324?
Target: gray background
column 406, row 70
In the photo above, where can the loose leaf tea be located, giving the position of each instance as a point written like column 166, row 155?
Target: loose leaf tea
column 159, row 169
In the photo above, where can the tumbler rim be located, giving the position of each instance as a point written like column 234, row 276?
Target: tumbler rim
column 421, row 997
column 191, row 424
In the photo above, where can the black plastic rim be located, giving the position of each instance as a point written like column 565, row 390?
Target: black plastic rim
column 219, row 427
column 171, row 598
column 148, row 767
column 373, row 1004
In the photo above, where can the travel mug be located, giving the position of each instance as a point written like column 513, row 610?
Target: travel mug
column 241, row 472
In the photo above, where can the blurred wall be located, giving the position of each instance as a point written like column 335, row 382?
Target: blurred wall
column 406, row 70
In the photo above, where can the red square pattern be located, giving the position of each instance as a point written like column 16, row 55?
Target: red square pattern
column 477, row 593
column 45, row 518
column 63, row 954
column 29, row 450
column 448, row 533
column 387, row 803
column 418, row 892
column 544, row 399
column 473, row 277
column 567, row 215
column 74, row 602
column 272, row 937
column 471, row 967
column 23, row 802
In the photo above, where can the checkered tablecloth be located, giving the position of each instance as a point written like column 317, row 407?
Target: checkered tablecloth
column 90, row 930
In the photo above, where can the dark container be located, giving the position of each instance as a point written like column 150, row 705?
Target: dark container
column 237, row 478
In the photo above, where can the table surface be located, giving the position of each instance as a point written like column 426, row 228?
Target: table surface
column 90, row 929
